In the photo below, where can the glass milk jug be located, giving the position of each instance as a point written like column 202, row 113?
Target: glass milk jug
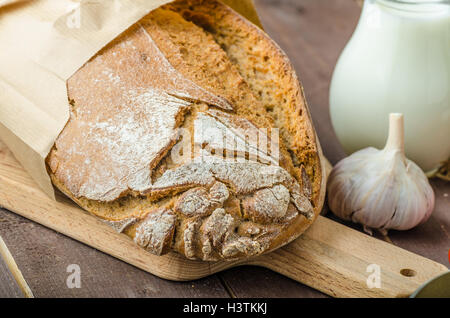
column 398, row 60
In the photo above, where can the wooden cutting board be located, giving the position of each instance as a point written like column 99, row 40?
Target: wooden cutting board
column 329, row 256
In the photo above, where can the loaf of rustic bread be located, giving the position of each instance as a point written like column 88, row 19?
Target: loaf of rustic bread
column 190, row 133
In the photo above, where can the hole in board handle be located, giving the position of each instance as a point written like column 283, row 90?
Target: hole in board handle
column 408, row 272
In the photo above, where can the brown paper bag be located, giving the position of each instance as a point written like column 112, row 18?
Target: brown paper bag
column 42, row 44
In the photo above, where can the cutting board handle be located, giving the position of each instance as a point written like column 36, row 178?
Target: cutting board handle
column 342, row 262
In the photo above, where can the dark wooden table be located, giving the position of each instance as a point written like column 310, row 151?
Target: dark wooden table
column 313, row 33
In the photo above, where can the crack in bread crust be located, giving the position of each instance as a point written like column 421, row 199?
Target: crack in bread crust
column 230, row 198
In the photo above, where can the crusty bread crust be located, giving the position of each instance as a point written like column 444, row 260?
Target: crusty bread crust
column 270, row 75
column 191, row 64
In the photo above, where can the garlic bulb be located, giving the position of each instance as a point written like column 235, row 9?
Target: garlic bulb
column 381, row 189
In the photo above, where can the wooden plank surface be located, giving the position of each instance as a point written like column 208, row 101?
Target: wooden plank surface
column 44, row 255
column 8, row 286
column 312, row 32
column 256, row 282
column 14, row 270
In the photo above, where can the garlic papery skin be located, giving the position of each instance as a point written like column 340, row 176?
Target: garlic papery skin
column 381, row 189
